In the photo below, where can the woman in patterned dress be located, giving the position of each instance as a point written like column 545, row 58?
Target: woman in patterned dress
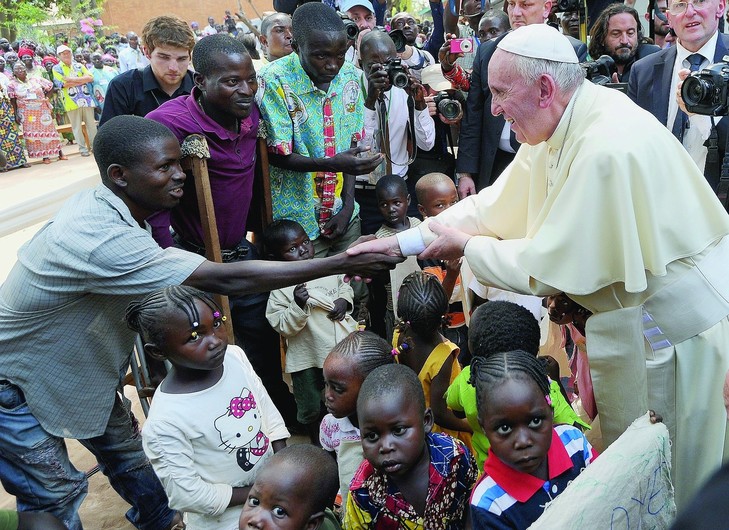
column 11, row 144
column 35, row 113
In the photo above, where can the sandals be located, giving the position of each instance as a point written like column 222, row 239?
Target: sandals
column 46, row 160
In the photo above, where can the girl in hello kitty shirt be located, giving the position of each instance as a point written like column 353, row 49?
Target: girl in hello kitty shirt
column 212, row 422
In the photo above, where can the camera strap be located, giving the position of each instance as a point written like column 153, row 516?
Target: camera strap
column 412, row 140
column 384, row 117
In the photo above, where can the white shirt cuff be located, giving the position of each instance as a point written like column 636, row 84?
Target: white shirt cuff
column 411, row 242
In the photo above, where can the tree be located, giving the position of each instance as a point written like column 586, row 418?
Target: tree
column 16, row 15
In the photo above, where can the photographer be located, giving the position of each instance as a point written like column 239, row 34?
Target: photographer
column 492, row 25
column 617, row 33
column 362, row 13
column 414, row 58
column 654, row 81
column 445, row 105
column 402, row 111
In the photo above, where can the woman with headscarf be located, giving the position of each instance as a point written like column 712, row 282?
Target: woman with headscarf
column 34, row 112
column 11, row 144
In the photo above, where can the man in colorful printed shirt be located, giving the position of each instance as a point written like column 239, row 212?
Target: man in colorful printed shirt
column 74, row 80
column 300, row 96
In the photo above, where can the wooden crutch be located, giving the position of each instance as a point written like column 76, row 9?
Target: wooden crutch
column 195, row 154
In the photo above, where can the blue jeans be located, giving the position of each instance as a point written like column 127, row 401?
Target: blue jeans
column 34, row 466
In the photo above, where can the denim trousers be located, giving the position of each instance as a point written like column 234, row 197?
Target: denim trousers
column 35, row 468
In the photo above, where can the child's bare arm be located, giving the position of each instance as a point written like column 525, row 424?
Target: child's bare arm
column 453, row 269
column 240, row 495
column 444, row 417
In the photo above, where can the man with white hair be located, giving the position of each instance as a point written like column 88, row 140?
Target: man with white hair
column 582, row 211
column 486, row 144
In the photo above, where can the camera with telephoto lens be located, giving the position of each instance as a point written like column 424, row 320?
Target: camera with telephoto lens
column 351, row 28
column 396, row 73
column 706, row 91
column 600, row 71
column 568, row 5
column 447, row 107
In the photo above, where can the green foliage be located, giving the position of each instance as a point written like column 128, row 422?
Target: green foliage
column 21, row 18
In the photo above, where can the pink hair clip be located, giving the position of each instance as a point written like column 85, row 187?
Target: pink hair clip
column 216, row 315
column 548, row 399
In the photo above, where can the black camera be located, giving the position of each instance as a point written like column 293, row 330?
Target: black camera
column 706, row 91
column 447, row 106
column 568, row 5
column 396, row 73
column 398, row 37
column 351, row 28
column 600, row 71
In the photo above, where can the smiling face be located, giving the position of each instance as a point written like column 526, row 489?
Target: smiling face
column 393, row 430
column 342, row 382
column 525, row 12
column 516, row 100
column 621, row 41
column 517, row 420
column 155, row 182
column 191, row 346
column 296, row 246
column 695, row 26
column 322, row 56
column 278, row 500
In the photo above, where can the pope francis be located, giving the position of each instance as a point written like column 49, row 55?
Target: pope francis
column 585, row 209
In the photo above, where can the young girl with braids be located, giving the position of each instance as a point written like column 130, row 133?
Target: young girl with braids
column 212, row 423
column 530, row 461
column 345, row 369
column 422, row 305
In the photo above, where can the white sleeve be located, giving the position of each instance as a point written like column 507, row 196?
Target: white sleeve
column 284, row 314
column 173, row 461
column 424, row 129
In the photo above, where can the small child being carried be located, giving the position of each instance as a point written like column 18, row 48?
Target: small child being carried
column 212, row 422
column 312, row 317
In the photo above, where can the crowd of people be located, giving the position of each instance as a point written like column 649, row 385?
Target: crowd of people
column 507, row 201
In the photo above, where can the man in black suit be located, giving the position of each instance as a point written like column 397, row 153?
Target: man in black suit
column 655, row 80
column 486, row 145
